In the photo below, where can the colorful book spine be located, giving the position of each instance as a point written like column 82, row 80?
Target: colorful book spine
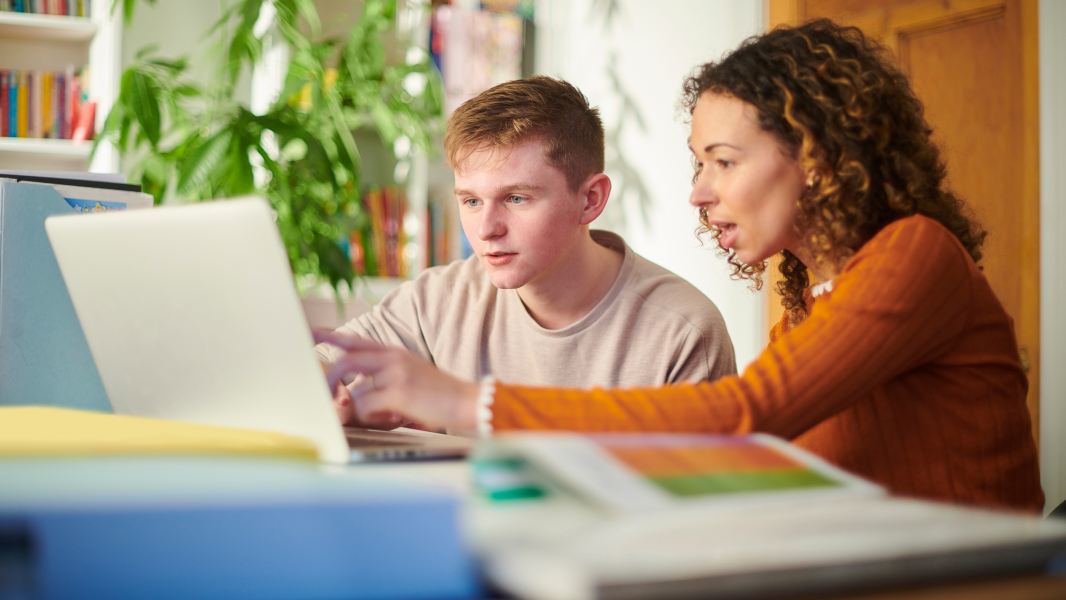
column 72, row 97
column 57, row 106
column 4, row 97
column 45, row 127
column 13, row 103
column 37, row 104
column 23, row 113
column 61, row 108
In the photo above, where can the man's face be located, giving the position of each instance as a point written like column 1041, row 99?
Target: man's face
column 519, row 214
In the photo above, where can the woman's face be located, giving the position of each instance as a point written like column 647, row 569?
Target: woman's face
column 749, row 185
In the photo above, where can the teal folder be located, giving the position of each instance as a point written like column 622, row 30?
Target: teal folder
column 44, row 358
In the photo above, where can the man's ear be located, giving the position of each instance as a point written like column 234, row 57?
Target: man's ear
column 595, row 192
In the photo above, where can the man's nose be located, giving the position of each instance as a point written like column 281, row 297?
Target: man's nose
column 492, row 223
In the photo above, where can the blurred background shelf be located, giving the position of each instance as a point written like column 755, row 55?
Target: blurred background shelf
column 320, row 303
column 59, row 148
column 23, row 26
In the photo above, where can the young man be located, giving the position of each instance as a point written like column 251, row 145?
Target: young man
column 543, row 300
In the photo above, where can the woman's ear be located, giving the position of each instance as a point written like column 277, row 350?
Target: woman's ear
column 595, row 192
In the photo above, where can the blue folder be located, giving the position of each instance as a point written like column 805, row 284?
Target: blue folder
column 44, row 358
column 223, row 528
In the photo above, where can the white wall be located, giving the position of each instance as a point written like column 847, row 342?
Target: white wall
column 654, row 45
column 1052, row 250
column 178, row 28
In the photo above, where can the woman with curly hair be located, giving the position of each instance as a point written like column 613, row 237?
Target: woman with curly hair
column 899, row 365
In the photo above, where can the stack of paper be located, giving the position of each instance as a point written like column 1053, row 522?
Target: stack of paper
column 568, row 517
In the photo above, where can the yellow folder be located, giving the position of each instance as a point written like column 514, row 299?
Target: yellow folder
column 48, row 431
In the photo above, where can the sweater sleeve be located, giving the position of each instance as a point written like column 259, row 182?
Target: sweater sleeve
column 897, row 304
column 395, row 321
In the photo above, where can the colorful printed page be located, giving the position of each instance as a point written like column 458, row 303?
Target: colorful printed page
column 703, row 466
column 634, row 472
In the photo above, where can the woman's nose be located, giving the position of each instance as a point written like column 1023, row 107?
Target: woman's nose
column 702, row 193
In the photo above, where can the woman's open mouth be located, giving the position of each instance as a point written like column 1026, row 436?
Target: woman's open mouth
column 729, row 234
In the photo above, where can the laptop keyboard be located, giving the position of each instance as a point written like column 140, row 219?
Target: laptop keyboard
column 366, row 442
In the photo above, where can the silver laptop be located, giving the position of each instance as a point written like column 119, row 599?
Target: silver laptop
column 191, row 314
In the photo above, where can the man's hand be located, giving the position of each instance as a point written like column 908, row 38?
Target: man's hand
column 398, row 383
column 345, row 407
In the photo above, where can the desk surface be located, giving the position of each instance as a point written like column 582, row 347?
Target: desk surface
column 491, row 529
column 1020, row 588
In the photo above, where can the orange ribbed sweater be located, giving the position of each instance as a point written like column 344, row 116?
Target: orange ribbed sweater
column 907, row 373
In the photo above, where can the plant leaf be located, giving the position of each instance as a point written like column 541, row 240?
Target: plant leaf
column 144, row 102
column 194, row 173
column 241, row 179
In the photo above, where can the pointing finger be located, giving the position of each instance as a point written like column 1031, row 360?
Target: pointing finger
column 366, row 362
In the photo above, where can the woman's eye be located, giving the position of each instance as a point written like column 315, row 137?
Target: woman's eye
column 722, row 163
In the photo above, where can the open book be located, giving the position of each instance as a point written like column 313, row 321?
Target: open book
column 637, row 472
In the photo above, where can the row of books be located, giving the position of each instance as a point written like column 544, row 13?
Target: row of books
column 439, row 237
column 378, row 249
column 67, row 8
column 44, row 104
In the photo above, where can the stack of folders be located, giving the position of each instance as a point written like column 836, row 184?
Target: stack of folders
column 87, row 192
column 634, row 516
column 44, row 358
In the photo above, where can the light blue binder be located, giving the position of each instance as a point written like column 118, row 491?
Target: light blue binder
column 210, row 528
column 44, row 358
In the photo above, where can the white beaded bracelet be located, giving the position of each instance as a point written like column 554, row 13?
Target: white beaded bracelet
column 484, row 406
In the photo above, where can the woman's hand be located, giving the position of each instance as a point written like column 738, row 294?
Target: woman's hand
column 399, row 383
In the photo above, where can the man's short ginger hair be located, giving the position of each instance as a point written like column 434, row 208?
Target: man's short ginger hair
column 542, row 108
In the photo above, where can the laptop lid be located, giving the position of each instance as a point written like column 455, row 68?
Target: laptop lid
column 191, row 314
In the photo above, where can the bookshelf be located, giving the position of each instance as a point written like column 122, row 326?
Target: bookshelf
column 55, row 148
column 51, row 43
column 22, row 26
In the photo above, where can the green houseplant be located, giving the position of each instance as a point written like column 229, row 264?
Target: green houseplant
column 190, row 142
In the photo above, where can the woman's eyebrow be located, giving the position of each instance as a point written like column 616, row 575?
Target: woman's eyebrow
column 710, row 147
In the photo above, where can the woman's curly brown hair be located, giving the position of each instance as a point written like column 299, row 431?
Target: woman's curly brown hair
column 835, row 100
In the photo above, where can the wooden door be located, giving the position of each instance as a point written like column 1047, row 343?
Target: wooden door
column 974, row 64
